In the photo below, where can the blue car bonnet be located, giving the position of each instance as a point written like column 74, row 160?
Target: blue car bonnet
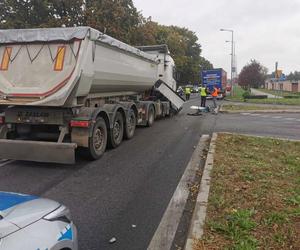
column 8, row 200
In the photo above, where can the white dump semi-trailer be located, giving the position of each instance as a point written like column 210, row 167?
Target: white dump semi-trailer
column 68, row 88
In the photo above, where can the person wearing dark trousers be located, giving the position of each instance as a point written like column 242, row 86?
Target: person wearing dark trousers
column 203, row 94
column 187, row 93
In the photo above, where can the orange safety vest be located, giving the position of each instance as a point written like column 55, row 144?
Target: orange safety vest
column 215, row 92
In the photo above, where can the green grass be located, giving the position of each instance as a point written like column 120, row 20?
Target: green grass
column 237, row 94
column 236, row 107
column 282, row 101
column 254, row 200
column 280, row 93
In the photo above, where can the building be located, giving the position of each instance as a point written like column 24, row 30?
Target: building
column 290, row 86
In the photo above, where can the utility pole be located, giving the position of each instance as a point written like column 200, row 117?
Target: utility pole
column 229, row 30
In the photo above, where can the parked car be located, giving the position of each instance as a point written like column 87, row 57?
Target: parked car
column 29, row 223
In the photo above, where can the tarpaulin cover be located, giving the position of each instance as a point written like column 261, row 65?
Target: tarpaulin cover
column 65, row 34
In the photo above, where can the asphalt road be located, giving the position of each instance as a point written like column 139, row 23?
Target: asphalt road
column 132, row 185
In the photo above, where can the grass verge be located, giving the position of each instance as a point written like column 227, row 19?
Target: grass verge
column 254, row 200
column 285, row 101
column 280, row 92
column 236, row 107
column 237, row 94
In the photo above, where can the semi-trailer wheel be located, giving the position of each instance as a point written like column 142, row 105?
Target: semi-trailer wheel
column 130, row 125
column 117, row 132
column 98, row 140
column 151, row 116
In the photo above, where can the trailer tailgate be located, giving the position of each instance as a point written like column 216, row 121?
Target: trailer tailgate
column 38, row 151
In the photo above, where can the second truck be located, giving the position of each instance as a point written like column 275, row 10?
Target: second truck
column 68, row 88
column 215, row 78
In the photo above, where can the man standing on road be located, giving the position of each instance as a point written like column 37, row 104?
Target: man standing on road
column 203, row 95
column 214, row 95
column 187, row 93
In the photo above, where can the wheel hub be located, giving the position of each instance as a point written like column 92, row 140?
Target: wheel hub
column 98, row 139
column 117, row 130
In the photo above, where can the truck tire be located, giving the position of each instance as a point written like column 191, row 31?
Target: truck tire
column 117, row 132
column 98, row 140
column 151, row 116
column 130, row 125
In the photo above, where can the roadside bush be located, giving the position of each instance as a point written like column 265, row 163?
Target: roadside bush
column 257, row 97
column 246, row 95
column 291, row 96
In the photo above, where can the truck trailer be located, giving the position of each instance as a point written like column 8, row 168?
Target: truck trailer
column 63, row 89
column 215, row 77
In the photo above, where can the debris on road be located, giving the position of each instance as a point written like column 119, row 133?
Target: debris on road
column 112, row 240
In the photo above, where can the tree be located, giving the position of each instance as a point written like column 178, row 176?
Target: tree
column 252, row 75
column 23, row 13
column 118, row 18
column 294, row 76
column 68, row 12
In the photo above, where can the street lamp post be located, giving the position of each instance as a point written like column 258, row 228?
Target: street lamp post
column 234, row 58
column 228, row 30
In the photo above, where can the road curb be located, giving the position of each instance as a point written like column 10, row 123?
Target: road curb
column 164, row 235
column 199, row 214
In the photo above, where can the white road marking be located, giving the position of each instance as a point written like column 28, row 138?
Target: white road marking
column 276, row 117
column 298, row 120
column 255, row 114
column 245, row 113
column 290, row 119
column 165, row 233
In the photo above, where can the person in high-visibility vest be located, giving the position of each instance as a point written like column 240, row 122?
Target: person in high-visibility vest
column 187, row 93
column 203, row 94
column 214, row 95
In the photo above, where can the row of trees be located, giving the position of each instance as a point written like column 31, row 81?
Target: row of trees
column 293, row 76
column 118, row 18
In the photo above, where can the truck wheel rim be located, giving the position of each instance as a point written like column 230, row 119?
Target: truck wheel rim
column 98, row 139
column 117, row 130
column 151, row 117
column 131, row 123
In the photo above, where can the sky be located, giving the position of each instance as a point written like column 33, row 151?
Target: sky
column 264, row 30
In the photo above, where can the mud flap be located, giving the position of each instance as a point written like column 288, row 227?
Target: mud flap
column 38, row 151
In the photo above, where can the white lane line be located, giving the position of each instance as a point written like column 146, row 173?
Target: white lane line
column 255, row 114
column 265, row 116
column 290, row 119
column 298, row 120
column 245, row 113
column 5, row 162
column 165, row 233
column 276, row 117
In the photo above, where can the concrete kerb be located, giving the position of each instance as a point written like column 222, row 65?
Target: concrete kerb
column 165, row 233
column 199, row 214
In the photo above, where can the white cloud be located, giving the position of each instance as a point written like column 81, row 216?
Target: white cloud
column 266, row 30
